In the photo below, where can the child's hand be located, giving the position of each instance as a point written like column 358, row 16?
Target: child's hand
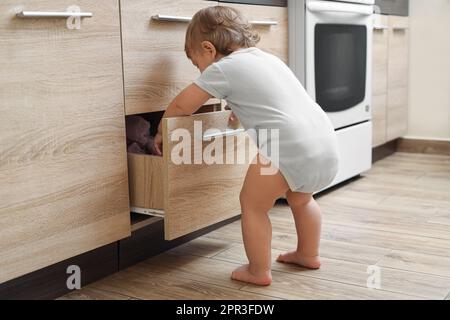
column 158, row 144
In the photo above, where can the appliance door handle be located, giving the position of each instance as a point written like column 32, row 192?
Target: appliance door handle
column 227, row 133
column 53, row 14
column 328, row 6
column 162, row 17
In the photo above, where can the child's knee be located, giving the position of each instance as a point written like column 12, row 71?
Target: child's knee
column 299, row 199
column 251, row 203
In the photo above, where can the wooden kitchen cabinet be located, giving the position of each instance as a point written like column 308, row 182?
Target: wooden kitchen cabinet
column 390, row 78
column 272, row 25
column 380, row 78
column 191, row 196
column 398, row 75
column 63, row 165
column 156, row 68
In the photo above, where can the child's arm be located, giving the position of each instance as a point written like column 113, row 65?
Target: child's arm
column 185, row 104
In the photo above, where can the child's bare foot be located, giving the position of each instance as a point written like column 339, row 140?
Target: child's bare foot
column 243, row 274
column 296, row 258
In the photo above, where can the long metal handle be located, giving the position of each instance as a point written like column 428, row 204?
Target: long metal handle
column 328, row 6
column 53, row 14
column 397, row 28
column 264, row 23
column 228, row 132
column 380, row 27
column 162, row 17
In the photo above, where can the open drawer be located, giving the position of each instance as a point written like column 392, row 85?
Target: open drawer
column 195, row 193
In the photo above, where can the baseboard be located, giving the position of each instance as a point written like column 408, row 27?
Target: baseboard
column 384, row 151
column 439, row 147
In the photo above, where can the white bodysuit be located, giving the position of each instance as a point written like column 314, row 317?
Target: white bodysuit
column 265, row 94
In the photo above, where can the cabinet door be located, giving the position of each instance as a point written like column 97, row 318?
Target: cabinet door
column 63, row 169
column 397, row 111
column 380, row 77
column 272, row 25
column 156, row 68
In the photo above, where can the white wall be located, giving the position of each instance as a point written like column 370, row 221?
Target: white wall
column 429, row 115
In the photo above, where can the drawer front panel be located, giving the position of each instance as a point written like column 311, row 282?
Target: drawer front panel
column 156, row 68
column 274, row 38
column 199, row 195
column 63, row 172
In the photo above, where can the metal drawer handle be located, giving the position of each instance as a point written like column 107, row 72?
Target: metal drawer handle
column 380, row 27
column 399, row 28
column 264, row 23
column 228, row 132
column 52, row 14
column 161, row 17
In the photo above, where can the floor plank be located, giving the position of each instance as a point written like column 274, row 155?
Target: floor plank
column 89, row 293
column 392, row 280
column 396, row 217
column 298, row 287
column 203, row 247
column 153, row 286
column 425, row 263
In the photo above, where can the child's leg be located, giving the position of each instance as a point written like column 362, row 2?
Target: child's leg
column 308, row 222
column 258, row 196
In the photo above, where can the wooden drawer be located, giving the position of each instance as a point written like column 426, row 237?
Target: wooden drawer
column 190, row 196
column 380, row 79
column 63, row 170
column 156, row 68
column 274, row 38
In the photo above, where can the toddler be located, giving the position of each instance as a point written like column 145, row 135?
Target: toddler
column 264, row 94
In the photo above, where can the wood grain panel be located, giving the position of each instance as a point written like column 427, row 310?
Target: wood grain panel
column 379, row 114
column 397, row 112
column 380, row 56
column 199, row 195
column 156, row 68
column 62, row 137
column 380, row 79
column 146, row 181
column 274, row 39
column 398, row 74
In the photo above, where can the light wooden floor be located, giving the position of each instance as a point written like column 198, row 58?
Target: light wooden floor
column 397, row 217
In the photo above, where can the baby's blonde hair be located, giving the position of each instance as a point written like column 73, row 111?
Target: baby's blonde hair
column 226, row 28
